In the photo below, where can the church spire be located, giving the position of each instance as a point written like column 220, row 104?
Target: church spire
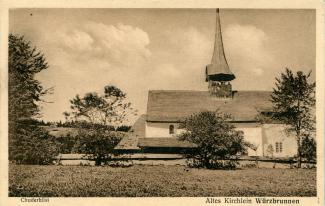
column 218, row 70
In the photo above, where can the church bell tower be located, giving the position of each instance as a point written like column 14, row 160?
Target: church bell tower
column 218, row 74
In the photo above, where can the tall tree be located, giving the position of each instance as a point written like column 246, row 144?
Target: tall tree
column 27, row 142
column 109, row 108
column 293, row 101
column 24, row 90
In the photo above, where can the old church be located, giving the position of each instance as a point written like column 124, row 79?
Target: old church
column 157, row 130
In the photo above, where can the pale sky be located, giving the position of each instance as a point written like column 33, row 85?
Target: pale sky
column 145, row 49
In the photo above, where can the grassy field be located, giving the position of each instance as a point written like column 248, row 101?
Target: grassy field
column 74, row 181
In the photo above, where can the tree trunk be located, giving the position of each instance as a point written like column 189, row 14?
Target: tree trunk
column 298, row 137
column 98, row 161
column 299, row 153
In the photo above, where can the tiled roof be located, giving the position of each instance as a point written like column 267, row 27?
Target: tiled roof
column 175, row 105
column 129, row 142
column 161, row 142
column 138, row 127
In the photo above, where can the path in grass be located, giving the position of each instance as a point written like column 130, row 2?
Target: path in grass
column 73, row 181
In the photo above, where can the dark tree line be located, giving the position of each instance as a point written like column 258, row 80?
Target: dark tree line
column 78, row 124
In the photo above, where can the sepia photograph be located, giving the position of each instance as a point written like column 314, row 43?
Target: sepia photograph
column 163, row 102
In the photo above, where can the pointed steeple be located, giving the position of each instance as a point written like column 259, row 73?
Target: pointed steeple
column 218, row 70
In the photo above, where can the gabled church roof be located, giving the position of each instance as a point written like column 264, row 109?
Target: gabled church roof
column 176, row 105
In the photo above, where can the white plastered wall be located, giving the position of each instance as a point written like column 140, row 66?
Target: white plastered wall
column 161, row 129
column 260, row 136
column 273, row 133
column 253, row 135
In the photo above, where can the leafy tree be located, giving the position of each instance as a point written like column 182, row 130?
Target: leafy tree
column 99, row 113
column 109, row 108
column 217, row 141
column 27, row 142
column 97, row 143
column 293, row 101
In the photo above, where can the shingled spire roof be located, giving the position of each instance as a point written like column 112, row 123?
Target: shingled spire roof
column 219, row 70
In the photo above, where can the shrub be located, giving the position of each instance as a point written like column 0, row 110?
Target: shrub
column 31, row 145
column 218, row 143
column 121, row 163
column 66, row 143
column 123, row 128
column 98, row 143
column 308, row 148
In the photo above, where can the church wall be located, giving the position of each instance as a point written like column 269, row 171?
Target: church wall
column 263, row 137
column 277, row 142
column 160, row 129
column 253, row 135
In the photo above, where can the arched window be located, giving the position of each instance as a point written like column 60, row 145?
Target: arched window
column 171, row 129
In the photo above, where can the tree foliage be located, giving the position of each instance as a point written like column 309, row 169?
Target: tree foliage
column 308, row 148
column 28, row 143
column 97, row 143
column 217, row 141
column 25, row 91
column 293, row 101
column 103, row 114
column 32, row 145
column 110, row 108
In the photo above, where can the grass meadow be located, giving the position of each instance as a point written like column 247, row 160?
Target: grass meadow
column 153, row 181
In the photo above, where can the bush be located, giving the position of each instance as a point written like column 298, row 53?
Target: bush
column 31, row 145
column 216, row 164
column 218, row 143
column 121, row 163
column 66, row 143
column 308, row 148
column 98, row 143
column 123, row 128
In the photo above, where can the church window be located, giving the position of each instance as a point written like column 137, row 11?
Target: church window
column 278, row 147
column 171, row 129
